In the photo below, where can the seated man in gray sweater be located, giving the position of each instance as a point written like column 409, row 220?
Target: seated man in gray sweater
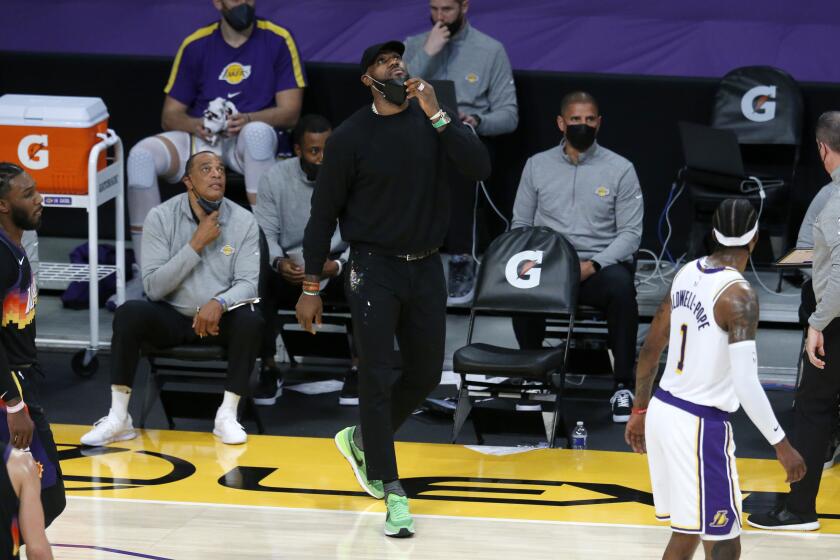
column 201, row 260
column 592, row 196
column 478, row 64
column 282, row 211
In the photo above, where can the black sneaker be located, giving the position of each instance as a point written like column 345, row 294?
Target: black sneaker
column 832, row 453
column 349, row 395
column 527, row 405
column 270, row 387
column 622, row 404
column 461, row 279
column 781, row 519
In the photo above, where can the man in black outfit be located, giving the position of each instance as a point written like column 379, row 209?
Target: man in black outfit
column 383, row 180
column 23, row 423
column 815, row 411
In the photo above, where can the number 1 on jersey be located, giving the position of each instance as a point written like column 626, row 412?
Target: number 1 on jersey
column 681, row 363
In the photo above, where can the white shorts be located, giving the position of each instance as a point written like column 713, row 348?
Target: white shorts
column 691, row 455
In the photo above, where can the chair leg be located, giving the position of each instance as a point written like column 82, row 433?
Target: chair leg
column 256, row 414
column 152, row 394
column 462, row 410
column 558, row 419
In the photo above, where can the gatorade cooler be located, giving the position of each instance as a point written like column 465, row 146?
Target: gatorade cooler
column 51, row 138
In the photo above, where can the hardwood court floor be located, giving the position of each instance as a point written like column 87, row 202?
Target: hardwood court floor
column 182, row 495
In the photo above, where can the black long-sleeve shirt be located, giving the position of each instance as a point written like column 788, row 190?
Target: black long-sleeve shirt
column 383, row 179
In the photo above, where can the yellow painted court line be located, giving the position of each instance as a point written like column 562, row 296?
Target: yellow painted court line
column 596, row 488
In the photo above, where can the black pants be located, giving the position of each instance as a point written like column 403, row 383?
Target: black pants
column 140, row 323
column 815, row 415
column 43, row 447
column 279, row 294
column 611, row 290
column 391, row 297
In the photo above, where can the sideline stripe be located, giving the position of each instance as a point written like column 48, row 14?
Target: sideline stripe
column 114, row 550
column 808, row 535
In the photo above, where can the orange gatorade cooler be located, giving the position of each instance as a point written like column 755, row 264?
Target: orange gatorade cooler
column 51, row 137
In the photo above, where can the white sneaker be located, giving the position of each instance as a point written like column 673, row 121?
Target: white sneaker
column 109, row 429
column 229, row 430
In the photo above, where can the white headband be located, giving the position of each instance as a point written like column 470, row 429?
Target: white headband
column 736, row 241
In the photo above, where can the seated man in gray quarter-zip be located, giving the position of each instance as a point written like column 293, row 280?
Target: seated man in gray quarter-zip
column 592, row 196
column 283, row 206
column 478, row 65
column 201, row 263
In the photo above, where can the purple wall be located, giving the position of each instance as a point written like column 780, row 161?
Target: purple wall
column 657, row 37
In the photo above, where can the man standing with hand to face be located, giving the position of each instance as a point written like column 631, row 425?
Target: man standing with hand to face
column 478, row 65
column 202, row 261
column 381, row 179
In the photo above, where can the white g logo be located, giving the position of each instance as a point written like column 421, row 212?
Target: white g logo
column 765, row 110
column 530, row 277
column 32, row 151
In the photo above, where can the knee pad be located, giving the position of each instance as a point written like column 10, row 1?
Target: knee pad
column 259, row 141
column 141, row 169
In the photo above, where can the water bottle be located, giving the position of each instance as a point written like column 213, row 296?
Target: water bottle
column 579, row 436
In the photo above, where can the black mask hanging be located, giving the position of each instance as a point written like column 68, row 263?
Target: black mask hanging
column 241, row 17
column 392, row 90
column 310, row 169
column 580, row 136
column 209, row 206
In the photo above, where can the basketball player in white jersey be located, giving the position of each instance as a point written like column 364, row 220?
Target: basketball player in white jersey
column 708, row 320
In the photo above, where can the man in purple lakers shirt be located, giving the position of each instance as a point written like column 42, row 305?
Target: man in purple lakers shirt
column 242, row 60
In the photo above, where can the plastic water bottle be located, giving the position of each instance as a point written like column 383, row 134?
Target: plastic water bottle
column 579, row 436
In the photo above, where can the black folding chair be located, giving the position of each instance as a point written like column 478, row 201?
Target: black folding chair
column 527, row 271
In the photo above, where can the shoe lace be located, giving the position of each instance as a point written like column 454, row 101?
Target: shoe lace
column 398, row 508
column 622, row 398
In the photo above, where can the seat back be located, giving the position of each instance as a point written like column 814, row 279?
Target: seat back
column 761, row 104
column 528, row 270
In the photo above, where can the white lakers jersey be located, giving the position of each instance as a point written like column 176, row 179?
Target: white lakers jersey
column 698, row 365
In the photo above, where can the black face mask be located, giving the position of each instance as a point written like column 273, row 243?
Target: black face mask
column 392, row 90
column 453, row 27
column 580, row 136
column 240, row 17
column 209, row 206
column 311, row 169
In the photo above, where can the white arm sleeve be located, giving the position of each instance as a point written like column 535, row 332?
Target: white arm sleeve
column 742, row 357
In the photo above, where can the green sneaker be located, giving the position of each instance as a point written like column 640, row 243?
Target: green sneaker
column 356, row 458
column 398, row 521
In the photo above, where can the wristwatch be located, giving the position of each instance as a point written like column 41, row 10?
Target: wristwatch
column 596, row 265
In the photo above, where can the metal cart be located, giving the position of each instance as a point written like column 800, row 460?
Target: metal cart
column 103, row 185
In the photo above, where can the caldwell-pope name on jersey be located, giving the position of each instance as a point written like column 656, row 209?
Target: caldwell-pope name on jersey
column 689, row 300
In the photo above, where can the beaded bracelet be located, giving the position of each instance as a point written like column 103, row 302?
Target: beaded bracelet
column 639, row 411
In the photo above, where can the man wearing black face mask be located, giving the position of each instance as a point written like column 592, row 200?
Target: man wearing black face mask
column 479, row 67
column 199, row 267
column 592, row 196
column 382, row 181
column 283, row 204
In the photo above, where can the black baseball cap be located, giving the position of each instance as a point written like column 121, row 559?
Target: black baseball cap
column 373, row 51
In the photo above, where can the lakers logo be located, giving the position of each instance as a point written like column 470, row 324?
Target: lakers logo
column 472, row 77
column 602, row 191
column 235, row 73
column 721, row 519
column 227, row 250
